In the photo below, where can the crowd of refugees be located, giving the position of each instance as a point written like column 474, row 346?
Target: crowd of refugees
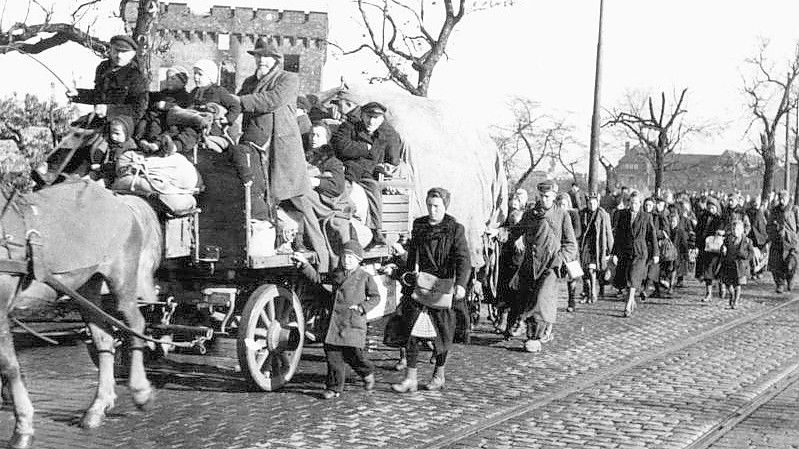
column 642, row 247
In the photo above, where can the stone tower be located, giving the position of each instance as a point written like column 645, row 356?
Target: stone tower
column 225, row 34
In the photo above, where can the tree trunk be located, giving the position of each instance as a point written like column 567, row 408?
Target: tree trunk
column 523, row 178
column 146, row 17
column 769, row 162
column 796, row 189
column 658, row 170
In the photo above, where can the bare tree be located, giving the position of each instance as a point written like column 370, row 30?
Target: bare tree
column 568, row 166
column 534, row 135
column 54, row 34
column 770, row 99
column 405, row 39
column 610, row 174
column 659, row 127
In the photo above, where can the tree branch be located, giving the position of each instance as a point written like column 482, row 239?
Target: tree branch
column 13, row 40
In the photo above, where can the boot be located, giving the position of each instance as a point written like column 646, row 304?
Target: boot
column 572, row 304
column 369, row 382
column 708, row 293
column 409, row 384
column 437, row 382
column 401, row 364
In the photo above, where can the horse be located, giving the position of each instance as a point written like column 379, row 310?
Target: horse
column 75, row 236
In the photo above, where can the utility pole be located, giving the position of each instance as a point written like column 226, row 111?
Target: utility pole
column 593, row 156
column 787, row 183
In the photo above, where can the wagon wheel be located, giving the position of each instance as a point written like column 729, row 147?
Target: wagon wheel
column 271, row 336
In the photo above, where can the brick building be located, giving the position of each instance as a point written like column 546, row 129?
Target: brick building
column 727, row 171
column 225, row 34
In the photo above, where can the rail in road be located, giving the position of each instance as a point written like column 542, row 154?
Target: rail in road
column 785, row 378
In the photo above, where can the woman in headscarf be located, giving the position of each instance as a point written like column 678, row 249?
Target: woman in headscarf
column 438, row 247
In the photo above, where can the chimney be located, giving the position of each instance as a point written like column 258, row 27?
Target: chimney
column 627, row 148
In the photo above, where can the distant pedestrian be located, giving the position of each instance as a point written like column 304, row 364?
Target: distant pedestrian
column 709, row 239
column 784, row 237
column 736, row 252
column 565, row 203
column 596, row 241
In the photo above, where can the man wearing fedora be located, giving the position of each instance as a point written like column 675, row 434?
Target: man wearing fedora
column 270, row 152
column 120, row 87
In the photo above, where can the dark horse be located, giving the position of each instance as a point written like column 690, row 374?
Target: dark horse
column 79, row 235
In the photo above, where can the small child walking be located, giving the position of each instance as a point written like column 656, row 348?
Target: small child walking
column 354, row 294
column 735, row 255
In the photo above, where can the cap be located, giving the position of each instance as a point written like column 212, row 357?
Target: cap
column 123, row 42
column 354, row 248
column 373, row 108
column 179, row 72
column 593, row 196
column 264, row 48
column 547, row 186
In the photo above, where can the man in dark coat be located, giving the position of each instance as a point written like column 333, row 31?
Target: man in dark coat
column 120, row 87
column 549, row 242
column 365, row 146
column 784, row 236
column 634, row 246
column 270, row 153
column 596, row 241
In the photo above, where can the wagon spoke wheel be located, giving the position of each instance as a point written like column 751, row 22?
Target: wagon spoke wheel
column 271, row 336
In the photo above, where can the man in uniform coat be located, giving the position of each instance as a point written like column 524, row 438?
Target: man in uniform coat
column 549, row 242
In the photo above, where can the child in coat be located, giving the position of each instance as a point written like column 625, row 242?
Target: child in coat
column 208, row 91
column 736, row 252
column 354, row 294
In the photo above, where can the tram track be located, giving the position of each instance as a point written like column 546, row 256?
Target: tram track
column 786, row 378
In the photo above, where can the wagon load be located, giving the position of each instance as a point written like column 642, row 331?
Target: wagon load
column 444, row 147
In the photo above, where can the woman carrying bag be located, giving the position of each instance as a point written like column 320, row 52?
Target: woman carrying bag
column 438, row 265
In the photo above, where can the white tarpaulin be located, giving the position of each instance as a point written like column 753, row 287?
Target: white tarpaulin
column 445, row 148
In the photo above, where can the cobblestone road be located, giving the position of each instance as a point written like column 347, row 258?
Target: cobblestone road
column 659, row 379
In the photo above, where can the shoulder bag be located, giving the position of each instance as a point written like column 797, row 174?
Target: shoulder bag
column 432, row 291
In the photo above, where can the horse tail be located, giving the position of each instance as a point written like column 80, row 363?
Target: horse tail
column 152, row 246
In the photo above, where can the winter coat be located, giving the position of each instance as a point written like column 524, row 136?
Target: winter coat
column 215, row 93
column 351, row 142
column 539, row 259
column 757, row 220
column 596, row 239
column 442, row 251
column 269, row 105
column 735, row 259
column 123, row 89
column 347, row 326
column 635, row 240
column 783, row 234
column 331, row 169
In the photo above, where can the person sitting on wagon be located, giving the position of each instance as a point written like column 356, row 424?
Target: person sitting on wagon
column 209, row 92
column 354, row 294
column 154, row 132
column 367, row 148
column 120, row 87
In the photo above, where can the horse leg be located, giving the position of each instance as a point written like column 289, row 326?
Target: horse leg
column 105, row 396
column 126, row 293
column 11, row 375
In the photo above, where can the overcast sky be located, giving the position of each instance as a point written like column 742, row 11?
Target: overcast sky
column 544, row 50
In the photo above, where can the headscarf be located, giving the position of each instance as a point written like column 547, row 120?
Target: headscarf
column 440, row 192
column 209, row 68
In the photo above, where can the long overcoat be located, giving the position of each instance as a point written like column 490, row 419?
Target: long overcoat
column 707, row 263
column 442, row 251
column 269, row 106
column 596, row 240
column 783, row 232
column 634, row 244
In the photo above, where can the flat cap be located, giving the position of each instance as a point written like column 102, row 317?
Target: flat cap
column 547, row 186
column 373, row 108
column 354, row 248
column 123, row 42
column 264, row 48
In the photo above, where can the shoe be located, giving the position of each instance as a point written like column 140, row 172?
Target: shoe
column 409, row 384
column 369, row 382
column 437, row 382
column 642, row 295
column 532, row 345
column 570, row 309
column 401, row 365
column 779, row 289
column 330, row 394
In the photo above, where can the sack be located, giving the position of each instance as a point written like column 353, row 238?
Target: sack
column 514, row 282
column 668, row 252
column 433, row 291
column 574, row 269
column 395, row 335
column 713, row 243
column 423, row 327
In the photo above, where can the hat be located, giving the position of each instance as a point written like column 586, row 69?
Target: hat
column 593, row 196
column 547, row 186
column 179, row 72
column 264, row 48
column 123, row 42
column 354, row 248
column 373, row 108
column 208, row 68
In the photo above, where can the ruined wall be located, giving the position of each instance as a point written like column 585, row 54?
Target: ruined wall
column 187, row 37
